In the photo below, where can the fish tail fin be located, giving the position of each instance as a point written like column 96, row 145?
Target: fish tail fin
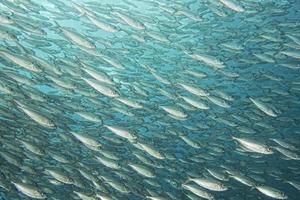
column 78, row 60
column 180, row 134
column 188, row 180
column 133, row 141
column 56, row 23
column 57, row 27
column 232, row 137
column 252, row 188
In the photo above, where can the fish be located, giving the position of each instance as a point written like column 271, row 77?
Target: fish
column 195, row 90
column 7, row 35
column 6, row 20
column 110, row 163
column 198, row 191
column 84, row 196
column 209, row 184
column 90, row 117
column 102, row 25
column 174, row 112
column 76, row 38
column 60, row 175
column 101, row 88
column 33, row 148
column 189, row 141
column 290, row 154
column 151, row 151
column 196, row 103
column 29, row 190
column 21, row 61
column 143, row 170
column 208, row 60
column 232, row 6
column 40, row 119
column 98, row 75
column 149, row 99
column 294, row 184
column 86, row 140
column 260, row 105
column 129, row 21
column 121, row 132
column 271, row 192
column 253, row 146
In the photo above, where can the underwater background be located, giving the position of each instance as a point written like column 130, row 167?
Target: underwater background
column 140, row 99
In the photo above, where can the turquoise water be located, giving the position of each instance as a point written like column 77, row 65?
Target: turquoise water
column 149, row 99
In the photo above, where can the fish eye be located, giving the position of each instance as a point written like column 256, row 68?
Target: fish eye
column 269, row 149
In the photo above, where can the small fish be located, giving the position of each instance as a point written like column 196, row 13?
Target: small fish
column 271, row 192
column 232, row 6
column 85, row 139
column 102, row 25
column 143, row 170
column 209, row 184
column 76, row 38
column 260, row 105
column 30, row 190
column 151, row 151
column 174, row 112
column 198, row 191
column 130, row 21
column 121, row 132
column 253, row 146
column 101, row 88
column 21, row 61
column 40, row 119
column 290, row 154
column 195, row 90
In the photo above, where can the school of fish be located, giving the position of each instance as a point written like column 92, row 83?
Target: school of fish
column 149, row 99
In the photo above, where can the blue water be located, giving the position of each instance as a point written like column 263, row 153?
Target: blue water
column 263, row 28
